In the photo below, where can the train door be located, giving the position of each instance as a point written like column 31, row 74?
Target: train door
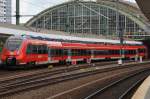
column 92, row 54
column 69, row 54
column 137, row 55
column 49, row 55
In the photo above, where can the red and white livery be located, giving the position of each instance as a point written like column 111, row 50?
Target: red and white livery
column 22, row 50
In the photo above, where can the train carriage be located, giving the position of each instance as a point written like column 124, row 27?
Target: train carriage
column 25, row 50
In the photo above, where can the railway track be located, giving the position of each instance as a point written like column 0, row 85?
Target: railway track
column 82, row 91
column 7, row 75
column 35, row 74
column 26, row 84
column 11, row 77
column 122, row 88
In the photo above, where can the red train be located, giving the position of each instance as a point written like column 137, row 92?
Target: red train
column 19, row 50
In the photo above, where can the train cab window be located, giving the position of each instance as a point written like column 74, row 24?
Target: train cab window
column 13, row 44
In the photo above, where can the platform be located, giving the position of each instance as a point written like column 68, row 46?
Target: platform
column 143, row 92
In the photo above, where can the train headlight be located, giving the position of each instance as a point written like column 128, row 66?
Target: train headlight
column 11, row 53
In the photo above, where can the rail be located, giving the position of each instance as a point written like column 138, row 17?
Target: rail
column 24, row 84
column 101, row 90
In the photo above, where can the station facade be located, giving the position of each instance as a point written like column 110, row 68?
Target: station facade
column 96, row 18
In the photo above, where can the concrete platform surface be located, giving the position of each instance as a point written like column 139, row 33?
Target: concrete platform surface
column 143, row 91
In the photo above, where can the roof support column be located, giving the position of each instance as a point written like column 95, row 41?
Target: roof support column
column 51, row 21
column 99, row 22
column 90, row 20
column 107, row 23
column 125, row 29
column 17, row 12
column 74, row 9
column 82, row 19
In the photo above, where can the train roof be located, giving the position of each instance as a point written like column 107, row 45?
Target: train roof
column 10, row 31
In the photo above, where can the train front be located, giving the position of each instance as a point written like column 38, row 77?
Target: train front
column 11, row 52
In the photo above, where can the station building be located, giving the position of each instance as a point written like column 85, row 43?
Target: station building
column 88, row 18
column 5, row 11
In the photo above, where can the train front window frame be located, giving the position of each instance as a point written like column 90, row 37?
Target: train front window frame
column 13, row 44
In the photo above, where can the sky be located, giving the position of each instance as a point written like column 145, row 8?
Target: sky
column 33, row 7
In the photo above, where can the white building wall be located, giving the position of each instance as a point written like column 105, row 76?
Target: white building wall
column 5, row 11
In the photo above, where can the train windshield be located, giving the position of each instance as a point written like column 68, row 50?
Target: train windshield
column 13, row 44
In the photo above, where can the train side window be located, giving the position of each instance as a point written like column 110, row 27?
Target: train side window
column 29, row 49
column 72, row 52
column 125, row 52
column 52, row 52
column 88, row 52
column 39, row 49
column 65, row 52
column 60, row 52
column 134, row 51
column 118, row 51
column 56, row 52
column 49, row 52
column 142, row 50
column 112, row 52
column 45, row 49
column 128, row 51
column 34, row 49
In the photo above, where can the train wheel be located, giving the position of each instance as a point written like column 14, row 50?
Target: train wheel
column 62, row 62
column 30, row 64
column 14, row 61
column 68, row 63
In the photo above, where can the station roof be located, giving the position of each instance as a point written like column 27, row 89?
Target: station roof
column 12, row 31
column 126, row 6
column 132, row 4
column 131, row 10
column 13, row 26
column 44, row 31
column 145, row 7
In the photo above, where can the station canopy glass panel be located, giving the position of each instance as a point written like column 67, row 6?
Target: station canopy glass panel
column 86, row 17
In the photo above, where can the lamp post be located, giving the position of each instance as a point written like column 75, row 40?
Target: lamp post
column 119, row 31
column 17, row 12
